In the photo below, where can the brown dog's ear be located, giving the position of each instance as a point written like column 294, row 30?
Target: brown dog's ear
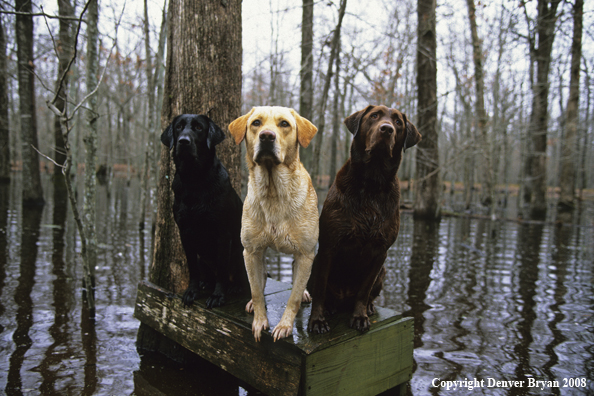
column 412, row 134
column 305, row 129
column 353, row 121
column 238, row 128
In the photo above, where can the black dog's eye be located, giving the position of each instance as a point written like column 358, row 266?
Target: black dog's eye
column 284, row 124
column 256, row 123
column 179, row 127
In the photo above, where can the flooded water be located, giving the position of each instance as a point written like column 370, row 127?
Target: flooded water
column 492, row 301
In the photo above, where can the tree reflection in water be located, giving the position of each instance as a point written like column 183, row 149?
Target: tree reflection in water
column 496, row 300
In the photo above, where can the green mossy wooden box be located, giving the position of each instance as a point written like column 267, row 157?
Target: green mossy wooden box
column 342, row 362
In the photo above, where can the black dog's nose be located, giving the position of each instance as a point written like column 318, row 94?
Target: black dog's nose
column 387, row 129
column 267, row 136
column 184, row 140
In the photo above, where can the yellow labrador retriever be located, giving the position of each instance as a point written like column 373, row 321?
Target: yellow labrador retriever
column 281, row 207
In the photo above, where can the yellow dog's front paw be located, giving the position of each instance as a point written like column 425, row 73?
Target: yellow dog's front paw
column 306, row 297
column 282, row 331
column 249, row 307
column 257, row 326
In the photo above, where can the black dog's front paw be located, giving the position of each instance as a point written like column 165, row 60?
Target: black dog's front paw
column 192, row 293
column 215, row 300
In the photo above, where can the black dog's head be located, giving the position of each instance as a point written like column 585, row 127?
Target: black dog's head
column 190, row 135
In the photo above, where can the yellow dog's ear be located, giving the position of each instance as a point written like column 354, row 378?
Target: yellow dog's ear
column 238, row 128
column 305, row 129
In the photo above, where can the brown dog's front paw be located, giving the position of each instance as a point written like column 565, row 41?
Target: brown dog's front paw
column 360, row 323
column 318, row 325
column 370, row 309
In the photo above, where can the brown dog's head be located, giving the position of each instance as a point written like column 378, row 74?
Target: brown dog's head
column 272, row 134
column 383, row 130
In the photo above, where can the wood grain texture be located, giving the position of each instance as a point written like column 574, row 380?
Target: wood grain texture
column 338, row 362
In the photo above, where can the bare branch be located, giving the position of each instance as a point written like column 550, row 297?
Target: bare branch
column 39, row 14
column 46, row 157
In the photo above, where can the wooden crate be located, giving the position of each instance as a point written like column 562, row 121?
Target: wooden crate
column 343, row 362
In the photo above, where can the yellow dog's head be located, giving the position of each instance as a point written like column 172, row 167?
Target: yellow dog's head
column 272, row 134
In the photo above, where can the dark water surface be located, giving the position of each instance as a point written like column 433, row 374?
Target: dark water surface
column 492, row 301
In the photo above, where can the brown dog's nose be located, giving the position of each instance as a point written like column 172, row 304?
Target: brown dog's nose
column 387, row 129
column 267, row 136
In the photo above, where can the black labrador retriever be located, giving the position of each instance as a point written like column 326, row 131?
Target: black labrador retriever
column 207, row 210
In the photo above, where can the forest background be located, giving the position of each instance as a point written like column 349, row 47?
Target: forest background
column 494, row 137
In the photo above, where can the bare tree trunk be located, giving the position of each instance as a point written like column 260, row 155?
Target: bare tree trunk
column 32, row 190
column 203, row 75
column 319, row 138
column 569, row 143
column 427, row 183
column 306, row 96
column 64, row 55
column 537, row 160
column 151, row 110
column 484, row 146
column 90, row 140
column 4, row 113
column 335, row 124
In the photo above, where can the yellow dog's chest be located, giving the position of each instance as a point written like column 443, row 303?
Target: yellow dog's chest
column 267, row 225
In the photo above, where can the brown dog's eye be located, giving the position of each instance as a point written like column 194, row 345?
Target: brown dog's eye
column 398, row 122
column 374, row 116
column 284, row 124
column 256, row 123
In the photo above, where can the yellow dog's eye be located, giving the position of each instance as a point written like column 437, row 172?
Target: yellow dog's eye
column 256, row 123
column 284, row 124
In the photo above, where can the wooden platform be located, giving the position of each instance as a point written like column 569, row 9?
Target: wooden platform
column 343, row 362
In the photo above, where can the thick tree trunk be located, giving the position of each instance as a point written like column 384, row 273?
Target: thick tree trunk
column 427, row 183
column 4, row 120
column 569, row 153
column 536, row 176
column 32, row 191
column 487, row 197
column 65, row 51
column 321, row 123
column 203, row 76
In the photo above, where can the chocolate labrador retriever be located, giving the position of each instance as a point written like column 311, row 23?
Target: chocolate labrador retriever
column 207, row 210
column 360, row 218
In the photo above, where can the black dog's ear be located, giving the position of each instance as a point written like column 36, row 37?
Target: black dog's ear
column 353, row 121
column 215, row 134
column 412, row 134
column 167, row 136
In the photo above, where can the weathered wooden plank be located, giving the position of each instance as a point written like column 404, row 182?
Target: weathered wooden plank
column 338, row 362
column 229, row 344
column 367, row 365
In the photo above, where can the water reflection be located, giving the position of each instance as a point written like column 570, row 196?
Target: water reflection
column 31, row 220
column 495, row 300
